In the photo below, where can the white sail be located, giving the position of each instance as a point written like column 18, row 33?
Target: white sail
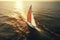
column 33, row 20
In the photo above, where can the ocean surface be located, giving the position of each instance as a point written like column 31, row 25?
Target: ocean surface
column 46, row 14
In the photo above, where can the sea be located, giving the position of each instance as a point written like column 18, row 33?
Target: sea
column 47, row 17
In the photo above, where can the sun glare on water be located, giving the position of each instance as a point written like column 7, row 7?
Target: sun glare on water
column 19, row 5
column 18, row 9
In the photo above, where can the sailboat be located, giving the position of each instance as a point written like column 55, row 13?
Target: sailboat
column 30, row 19
column 34, row 30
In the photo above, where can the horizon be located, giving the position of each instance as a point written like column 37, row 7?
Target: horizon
column 34, row 0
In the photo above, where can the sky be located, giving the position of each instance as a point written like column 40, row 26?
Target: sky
column 30, row 0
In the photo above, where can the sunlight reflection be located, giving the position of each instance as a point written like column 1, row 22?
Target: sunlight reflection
column 19, row 5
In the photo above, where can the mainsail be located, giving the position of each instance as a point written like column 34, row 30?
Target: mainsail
column 30, row 17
